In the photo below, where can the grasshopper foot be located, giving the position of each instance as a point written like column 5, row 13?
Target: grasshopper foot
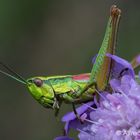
column 76, row 114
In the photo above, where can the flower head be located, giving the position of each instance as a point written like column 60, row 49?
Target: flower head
column 116, row 115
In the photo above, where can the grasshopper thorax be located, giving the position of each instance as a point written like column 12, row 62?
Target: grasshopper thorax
column 42, row 91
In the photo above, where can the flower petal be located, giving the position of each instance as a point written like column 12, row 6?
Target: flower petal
column 80, row 110
column 121, row 67
column 63, row 138
column 71, row 120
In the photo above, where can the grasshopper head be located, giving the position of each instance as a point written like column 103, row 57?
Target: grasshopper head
column 39, row 87
column 41, row 91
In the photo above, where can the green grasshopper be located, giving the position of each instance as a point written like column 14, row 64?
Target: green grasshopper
column 75, row 89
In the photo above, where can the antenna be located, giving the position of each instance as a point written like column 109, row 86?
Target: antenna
column 15, row 76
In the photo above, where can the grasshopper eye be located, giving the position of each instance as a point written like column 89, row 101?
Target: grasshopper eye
column 38, row 82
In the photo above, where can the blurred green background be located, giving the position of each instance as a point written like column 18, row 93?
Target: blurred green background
column 51, row 37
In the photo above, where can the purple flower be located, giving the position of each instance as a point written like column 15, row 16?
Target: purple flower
column 118, row 116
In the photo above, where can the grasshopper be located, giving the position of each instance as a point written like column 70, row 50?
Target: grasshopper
column 51, row 91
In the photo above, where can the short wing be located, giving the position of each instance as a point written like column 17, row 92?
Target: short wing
column 81, row 77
